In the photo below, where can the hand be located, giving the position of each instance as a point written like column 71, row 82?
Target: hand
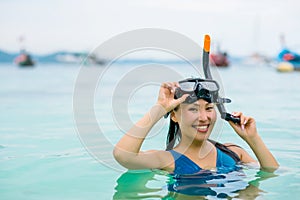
column 166, row 96
column 247, row 128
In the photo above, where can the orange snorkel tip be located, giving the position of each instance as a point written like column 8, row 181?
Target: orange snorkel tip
column 207, row 43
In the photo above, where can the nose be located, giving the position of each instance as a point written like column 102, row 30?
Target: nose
column 202, row 115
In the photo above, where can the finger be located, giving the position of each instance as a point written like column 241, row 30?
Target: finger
column 170, row 86
column 237, row 114
column 242, row 117
column 244, row 123
column 165, row 85
column 235, row 126
column 182, row 99
column 242, row 120
column 246, row 120
column 174, row 86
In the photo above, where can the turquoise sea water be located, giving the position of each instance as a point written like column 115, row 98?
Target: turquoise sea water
column 42, row 155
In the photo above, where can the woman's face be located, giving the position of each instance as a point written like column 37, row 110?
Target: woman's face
column 196, row 120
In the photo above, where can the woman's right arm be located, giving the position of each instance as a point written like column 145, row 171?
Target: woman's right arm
column 127, row 150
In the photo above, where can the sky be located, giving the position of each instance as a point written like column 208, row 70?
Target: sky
column 241, row 27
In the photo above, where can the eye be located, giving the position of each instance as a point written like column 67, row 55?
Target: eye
column 193, row 109
column 210, row 108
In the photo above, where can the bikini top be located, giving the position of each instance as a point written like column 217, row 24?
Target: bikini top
column 226, row 162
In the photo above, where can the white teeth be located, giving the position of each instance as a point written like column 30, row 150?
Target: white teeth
column 202, row 127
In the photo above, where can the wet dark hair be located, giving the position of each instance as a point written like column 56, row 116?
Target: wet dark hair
column 174, row 133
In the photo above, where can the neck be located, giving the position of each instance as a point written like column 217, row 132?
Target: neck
column 201, row 148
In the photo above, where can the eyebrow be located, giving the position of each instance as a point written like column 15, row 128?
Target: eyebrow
column 206, row 104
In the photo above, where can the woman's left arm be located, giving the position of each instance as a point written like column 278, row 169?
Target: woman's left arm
column 247, row 131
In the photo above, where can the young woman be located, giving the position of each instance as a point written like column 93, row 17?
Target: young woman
column 192, row 118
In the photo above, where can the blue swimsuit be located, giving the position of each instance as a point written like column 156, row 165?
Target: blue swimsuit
column 184, row 165
column 188, row 178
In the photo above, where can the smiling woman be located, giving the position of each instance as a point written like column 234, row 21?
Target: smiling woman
column 191, row 122
column 193, row 160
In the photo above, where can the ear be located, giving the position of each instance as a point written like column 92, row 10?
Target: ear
column 173, row 117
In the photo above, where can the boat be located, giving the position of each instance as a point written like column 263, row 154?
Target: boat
column 288, row 61
column 24, row 60
column 219, row 59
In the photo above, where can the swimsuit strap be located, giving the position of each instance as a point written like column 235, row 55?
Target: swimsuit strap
column 226, row 150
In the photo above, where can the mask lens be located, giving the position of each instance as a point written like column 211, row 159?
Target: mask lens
column 210, row 86
column 187, row 86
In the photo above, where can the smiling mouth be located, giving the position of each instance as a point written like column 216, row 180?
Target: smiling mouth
column 202, row 128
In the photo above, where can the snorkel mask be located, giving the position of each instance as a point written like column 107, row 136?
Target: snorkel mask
column 198, row 88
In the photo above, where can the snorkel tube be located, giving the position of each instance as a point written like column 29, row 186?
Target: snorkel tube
column 207, row 74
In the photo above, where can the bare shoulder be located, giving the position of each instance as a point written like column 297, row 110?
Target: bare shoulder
column 242, row 153
column 165, row 158
column 235, row 148
column 162, row 155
